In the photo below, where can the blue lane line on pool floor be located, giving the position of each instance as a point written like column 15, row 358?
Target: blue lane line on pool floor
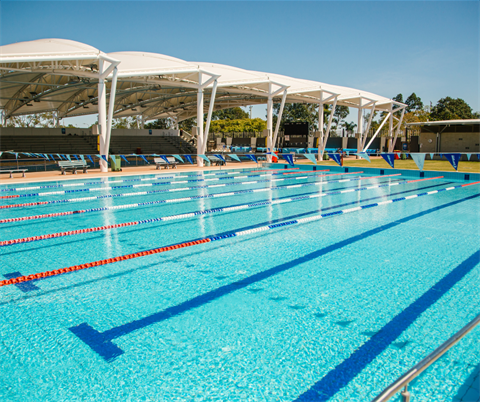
column 101, row 342
column 346, row 371
column 271, row 222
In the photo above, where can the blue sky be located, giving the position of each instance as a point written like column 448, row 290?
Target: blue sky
column 386, row 47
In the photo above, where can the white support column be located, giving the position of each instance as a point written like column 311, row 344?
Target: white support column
column 55, row 118
column 200, row 125
column 378, row 130
column 367, row 129
column 102, row 117
column 327, row 132
column 4, row 120
column 111, row 105
column 320, row 128
column 390, row 133
column 280, row 114
column 397, row 129
column 269, row 123
column 360, row 128
column 209, row 115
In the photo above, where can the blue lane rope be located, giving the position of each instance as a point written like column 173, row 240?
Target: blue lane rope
column 82, row 199
column 101, row 182
column 229, row 209
column 174, row 200
column 139, row 185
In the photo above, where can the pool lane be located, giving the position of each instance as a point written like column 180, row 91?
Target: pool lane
column 217, row 237
column 171, row 190
column 185, row 199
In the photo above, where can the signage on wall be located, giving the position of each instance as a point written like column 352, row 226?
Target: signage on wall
column 64, row 131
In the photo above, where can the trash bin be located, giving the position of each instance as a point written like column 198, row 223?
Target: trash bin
column 116, row 163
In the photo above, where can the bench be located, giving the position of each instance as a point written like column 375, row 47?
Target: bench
column 216, row 160
column 73, row 165
column 161, row 162
column 12, row 171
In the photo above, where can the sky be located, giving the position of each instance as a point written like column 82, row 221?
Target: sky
column 431, row 48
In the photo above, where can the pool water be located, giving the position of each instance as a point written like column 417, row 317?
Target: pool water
column 334, row 309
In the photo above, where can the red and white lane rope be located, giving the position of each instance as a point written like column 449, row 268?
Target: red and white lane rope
column 186, row 215
column 171, row 190
column 163, row 183
column 210, row 239
column 100, row 182
column 184, row 199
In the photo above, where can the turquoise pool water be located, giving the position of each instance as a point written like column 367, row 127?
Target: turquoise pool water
column 333, row 309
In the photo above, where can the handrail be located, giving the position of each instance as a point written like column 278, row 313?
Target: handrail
column 423, row 364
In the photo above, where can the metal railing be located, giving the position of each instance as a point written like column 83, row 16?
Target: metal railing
column 421, row 366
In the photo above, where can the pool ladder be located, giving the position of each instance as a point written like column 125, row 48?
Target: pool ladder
column 415, row 371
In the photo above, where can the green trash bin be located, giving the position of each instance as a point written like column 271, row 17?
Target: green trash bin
column 116, row 163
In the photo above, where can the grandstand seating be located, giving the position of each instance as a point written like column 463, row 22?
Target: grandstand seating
column 62, row 144
column 150, row 145
column 87, row 145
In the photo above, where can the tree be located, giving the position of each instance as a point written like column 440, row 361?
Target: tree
column 234, row 113
column 43, row 120
column 413, row 103
column 160, row 124
column 398, row 98
column 297, row 112
column 238, row 125
column 341, row 112
column 451, row 109
column 349, row 126
column 124, row 122
column 187, row 124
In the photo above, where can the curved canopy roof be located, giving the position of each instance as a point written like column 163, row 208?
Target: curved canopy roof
column 62, row 75
column 49, row 75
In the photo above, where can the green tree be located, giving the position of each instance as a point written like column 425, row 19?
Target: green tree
column 238, row 125
column 160, row 124
column 234, row 113
column 297, row 112
column 451, row 109
column 413, row 103
column 349, row 126
column 398, row 98
column 341, row 112
column 187, row 124
column 39, row 120
column 124, row 122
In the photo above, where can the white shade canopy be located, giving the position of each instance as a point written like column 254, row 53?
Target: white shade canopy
column 62, row 75
column 49, row 75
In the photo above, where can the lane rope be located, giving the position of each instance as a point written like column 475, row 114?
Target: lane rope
column 101, row 182
column 174, row 200
column 190, row 215
column 82, row 199
column 213, row 238
column 83, row 190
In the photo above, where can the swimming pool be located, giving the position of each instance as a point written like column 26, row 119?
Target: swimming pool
column 282, row 289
